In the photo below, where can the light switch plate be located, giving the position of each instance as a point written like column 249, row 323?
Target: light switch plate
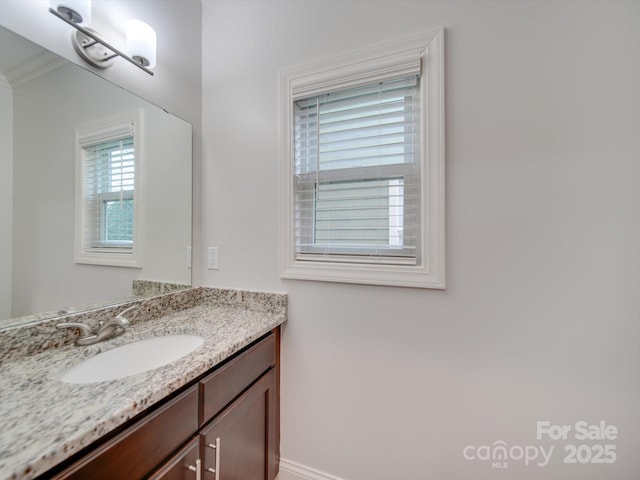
column 213, row 258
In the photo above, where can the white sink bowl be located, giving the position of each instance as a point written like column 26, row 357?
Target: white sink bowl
column 132, row 358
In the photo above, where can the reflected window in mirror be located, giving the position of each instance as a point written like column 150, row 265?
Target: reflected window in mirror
column 109, row 190
column 108, row 196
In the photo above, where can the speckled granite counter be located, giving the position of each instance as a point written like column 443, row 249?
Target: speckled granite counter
column 44, row 421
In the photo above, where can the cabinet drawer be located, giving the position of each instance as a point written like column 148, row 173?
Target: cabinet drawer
column 226, row 383
column 137, row 450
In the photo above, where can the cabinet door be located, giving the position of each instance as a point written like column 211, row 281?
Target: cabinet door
column 240, row 444
column 184, row 465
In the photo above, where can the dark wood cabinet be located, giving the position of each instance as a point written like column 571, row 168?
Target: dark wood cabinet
column 184, row 465
column 240, row 443
column 139, row 449
column 223, row 426
column 227, row 382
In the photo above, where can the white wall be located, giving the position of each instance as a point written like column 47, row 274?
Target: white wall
column 45, row 276
column 6, row 194
column 540, row 317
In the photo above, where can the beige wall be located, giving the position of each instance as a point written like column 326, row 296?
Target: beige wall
column 540, row 317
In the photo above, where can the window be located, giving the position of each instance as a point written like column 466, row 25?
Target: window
column 355, row 156
column 362, row 166
column 107, row 193
column 109, row 181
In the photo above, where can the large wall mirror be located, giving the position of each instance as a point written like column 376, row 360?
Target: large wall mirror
column 44, row 100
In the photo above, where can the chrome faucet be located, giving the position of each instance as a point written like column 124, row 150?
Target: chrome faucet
column 104, row 331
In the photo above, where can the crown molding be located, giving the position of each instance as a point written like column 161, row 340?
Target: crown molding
column 31, row 69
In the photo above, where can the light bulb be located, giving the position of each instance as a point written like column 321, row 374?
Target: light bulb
column 141, row 43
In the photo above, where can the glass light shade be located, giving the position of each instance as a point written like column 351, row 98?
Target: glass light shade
column 78, row 11
column 141, row 43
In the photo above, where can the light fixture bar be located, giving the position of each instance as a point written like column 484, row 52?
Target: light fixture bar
column 99, row 40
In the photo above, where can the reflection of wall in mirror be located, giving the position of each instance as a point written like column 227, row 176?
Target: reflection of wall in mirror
column 6, row 189
column 47, row 277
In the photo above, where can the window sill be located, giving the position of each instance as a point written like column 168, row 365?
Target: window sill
column 368, row 274
column 127, row 260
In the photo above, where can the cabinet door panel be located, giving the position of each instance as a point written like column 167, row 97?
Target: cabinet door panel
column 246, row 433
column 183, row 465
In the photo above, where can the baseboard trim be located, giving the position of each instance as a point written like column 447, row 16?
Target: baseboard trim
column 294, row 471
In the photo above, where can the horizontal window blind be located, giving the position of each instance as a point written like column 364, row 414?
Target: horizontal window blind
column 357, row 173
column 108, row 194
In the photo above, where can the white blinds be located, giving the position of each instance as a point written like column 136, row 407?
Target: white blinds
column 357, row 170
column 108, row 194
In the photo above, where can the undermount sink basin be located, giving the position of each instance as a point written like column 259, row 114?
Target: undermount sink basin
column 132, row 358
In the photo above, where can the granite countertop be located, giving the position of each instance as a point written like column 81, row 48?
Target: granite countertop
column 43, row 421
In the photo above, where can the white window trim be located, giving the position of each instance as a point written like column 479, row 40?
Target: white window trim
column 387, row 60
column 103, row 130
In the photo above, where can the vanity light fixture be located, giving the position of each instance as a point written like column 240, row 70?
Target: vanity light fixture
column 95, row 50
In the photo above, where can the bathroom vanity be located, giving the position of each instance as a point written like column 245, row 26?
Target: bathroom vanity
column 227, row 418
column 212, row 415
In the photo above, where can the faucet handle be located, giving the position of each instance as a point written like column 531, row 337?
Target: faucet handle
column 128, row 309
column 120, row 316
